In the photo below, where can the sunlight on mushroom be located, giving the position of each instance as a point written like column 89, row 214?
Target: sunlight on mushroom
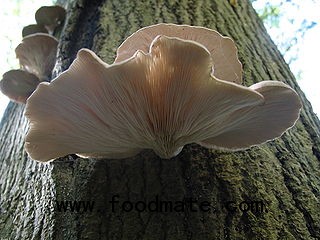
column 160, row 100
column 37, row 54
column 223, row 51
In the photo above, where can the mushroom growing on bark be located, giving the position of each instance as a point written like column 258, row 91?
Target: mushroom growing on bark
column 161, row 100
column 50, row 17
column 18, row 85
column 37, row 54
column 32, row 29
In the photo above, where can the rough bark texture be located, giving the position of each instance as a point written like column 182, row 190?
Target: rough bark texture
column 284, row 174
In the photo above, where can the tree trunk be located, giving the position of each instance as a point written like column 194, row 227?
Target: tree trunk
column 283, row 175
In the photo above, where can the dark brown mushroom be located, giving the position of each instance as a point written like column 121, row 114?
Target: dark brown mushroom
column 18, row 85
column 32, row 29
column 50, row 17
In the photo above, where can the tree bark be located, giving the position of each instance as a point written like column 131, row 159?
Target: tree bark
column 284, row 174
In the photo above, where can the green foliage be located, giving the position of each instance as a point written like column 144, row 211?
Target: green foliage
column 284, row 25
column 270, row 14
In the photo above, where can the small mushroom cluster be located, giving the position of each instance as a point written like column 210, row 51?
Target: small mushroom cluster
column 36, row 54
column 170, row 85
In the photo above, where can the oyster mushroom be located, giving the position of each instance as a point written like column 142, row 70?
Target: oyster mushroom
column 18, row 85
column 254, row 125
column 50, row 17
column 226, row 65
column 160, row 100
column 32, row 29
column 37, row 54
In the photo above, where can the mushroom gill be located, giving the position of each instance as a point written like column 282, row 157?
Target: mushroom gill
column 223, row 51
column 160, row 100
column 37, row 54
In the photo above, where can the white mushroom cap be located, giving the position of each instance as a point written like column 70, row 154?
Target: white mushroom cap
column 32, row 29
column 161, row 100
column 50, row 17
column 37, row 54
column 223, row 51
column 18, row 85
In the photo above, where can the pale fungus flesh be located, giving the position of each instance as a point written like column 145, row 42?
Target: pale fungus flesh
column 256, row 124
column 162, row 100
column 223, row 51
